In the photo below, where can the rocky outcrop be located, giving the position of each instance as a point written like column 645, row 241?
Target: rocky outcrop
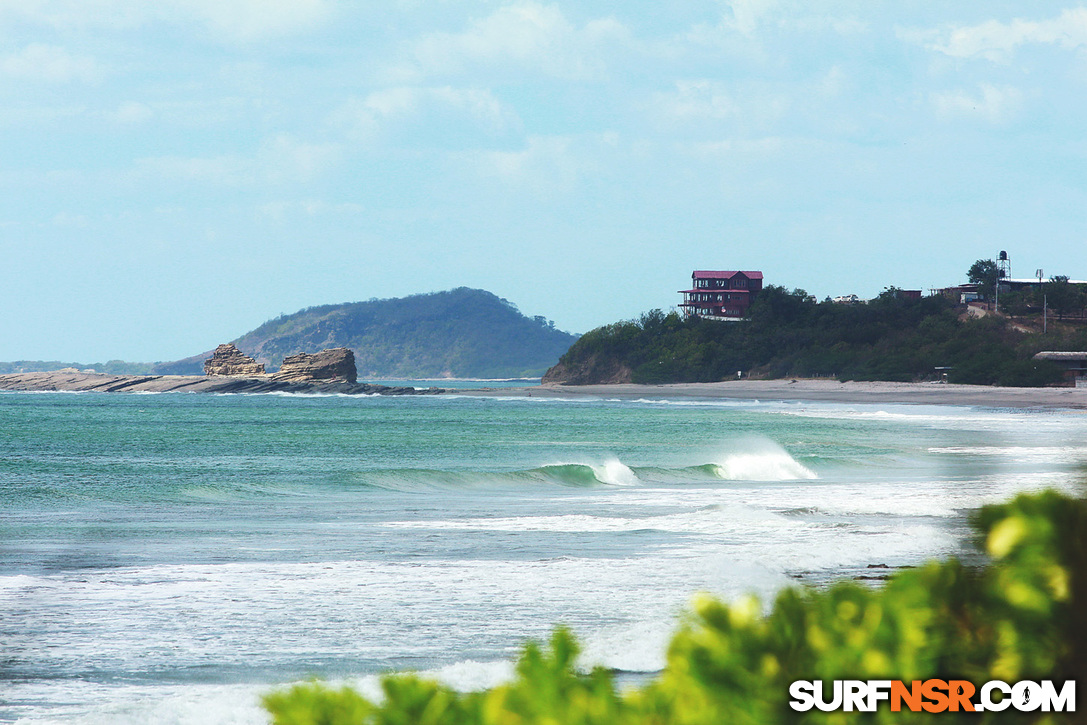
column 335, row 364
column 100, row 382
column 590, row 372
column 229, row 360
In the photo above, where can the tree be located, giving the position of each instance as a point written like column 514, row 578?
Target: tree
column 1060, row 295
column 1020, row 302
column 984, row 273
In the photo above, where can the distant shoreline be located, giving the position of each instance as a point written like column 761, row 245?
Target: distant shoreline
column 828, row 391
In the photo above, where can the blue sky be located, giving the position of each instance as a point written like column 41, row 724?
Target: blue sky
column 173, row 173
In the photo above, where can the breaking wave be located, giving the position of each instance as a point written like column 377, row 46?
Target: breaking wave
column 758, row 461
column 762, row 467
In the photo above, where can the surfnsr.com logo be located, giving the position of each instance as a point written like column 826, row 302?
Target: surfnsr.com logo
column 934, row 696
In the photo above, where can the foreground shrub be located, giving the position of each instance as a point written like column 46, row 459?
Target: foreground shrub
column 1021, row 617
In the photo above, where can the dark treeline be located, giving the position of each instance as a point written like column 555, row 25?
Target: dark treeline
column 788, row 334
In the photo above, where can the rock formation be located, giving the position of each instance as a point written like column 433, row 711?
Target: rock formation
column 335, row 364
column 589, row 372
column 102, row 383
column 229, row 360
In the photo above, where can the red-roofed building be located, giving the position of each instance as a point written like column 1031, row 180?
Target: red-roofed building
column 720, row 295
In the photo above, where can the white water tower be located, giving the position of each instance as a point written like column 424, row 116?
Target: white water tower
column 1003, row 266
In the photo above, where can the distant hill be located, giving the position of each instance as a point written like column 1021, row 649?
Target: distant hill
column 113, row 367
column 463, row 333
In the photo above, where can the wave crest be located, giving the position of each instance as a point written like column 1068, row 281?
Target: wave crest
column 612, row 472
column 768, row 462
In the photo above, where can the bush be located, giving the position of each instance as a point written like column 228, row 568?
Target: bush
column 1021, row 617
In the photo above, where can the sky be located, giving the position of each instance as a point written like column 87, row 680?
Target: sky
column 173, row 173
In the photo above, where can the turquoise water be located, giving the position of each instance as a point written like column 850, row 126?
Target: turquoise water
column 457, row 384
column 168, row 558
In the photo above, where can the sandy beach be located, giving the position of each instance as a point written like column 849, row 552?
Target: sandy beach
column 830, row 391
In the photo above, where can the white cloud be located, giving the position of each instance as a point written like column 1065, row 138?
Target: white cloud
column 697, row 99
column 996, row 41
column 711, row 103
column 280, row 159
column 526, row 35
column 68, row 14
column 280, row 210
column 66, row 219
column 994, row 104
column 253, row 20
column 220, row 170
column 49, row 63
column 746, row 15
column 745, row 24
column 833, row 82
column 285, row 159
column 131, row 113
column 757, row 147
column 547, row 165
column 242, row 21
column 39, row 116
column 390, row 108
column 479, row 104
column 846, row 25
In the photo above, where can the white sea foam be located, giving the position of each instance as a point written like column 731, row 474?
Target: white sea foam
column 1024, row 454
column 74, row 702
column 469, row 675
column 761, row 460
column 287, row 394
column 615, row 473
column 695, row 403
column 941, row 417
column 47, row 392
column 762, row 467
column 639, row 646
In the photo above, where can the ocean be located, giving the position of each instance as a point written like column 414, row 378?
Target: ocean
column 168, row 558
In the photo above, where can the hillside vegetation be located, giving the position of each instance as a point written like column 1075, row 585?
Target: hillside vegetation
column 464, row 332
column 789, row 335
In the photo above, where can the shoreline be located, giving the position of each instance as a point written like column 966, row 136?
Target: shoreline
column 826, row 391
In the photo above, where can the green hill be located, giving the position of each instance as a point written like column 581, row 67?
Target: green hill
column 788, row 334
column 463, row 333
